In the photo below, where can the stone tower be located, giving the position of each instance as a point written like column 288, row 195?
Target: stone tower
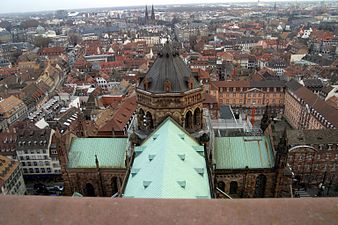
column 169, row 89
column 281, row 162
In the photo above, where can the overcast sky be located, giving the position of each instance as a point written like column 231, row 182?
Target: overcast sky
column 7, row 6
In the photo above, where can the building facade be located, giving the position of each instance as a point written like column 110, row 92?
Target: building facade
column 313, row 156
column 35, row 154
column 306, row 110
column 11, row 179
column 12, row 109
column 248, row 95
column 8, row 145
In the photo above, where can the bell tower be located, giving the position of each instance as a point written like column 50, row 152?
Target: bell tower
column 169, row 89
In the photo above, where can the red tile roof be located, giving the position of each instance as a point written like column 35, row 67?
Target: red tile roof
column 52, row 50
column 121, row 116
column 110, row 101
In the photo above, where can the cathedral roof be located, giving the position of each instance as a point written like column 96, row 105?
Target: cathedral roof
column 169, row 164
column 109, row 151
column 238, row 152
column 168, row 68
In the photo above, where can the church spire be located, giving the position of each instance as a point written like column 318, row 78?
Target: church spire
column 265, row 119
column 152, row 13
column 146, row 16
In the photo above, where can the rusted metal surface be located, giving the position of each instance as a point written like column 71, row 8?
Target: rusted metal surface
column 35, row 210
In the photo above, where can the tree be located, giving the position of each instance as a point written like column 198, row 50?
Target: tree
column 41, row 42
column 5, row 24
column 29, row 23
column 74, row 38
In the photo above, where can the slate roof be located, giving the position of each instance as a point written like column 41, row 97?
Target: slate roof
column 168, row 66
column 110, row 152
column 33, row 138
column 238, row 152
column 226, row 113
column 169, row 164
column 313, row 83
column 267, row 83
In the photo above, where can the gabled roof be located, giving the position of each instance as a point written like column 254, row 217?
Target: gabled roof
column 9, row 104
column 110, row 152
column 169, row 164
column 119, row 118
column 239, row 152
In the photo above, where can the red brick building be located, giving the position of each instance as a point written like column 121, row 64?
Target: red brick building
column 313, row 155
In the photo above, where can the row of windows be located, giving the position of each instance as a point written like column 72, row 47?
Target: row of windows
column 16, row 187
column 249, row 95
column 37, row 170
column 36, row 163
column 33, row 157
column 310, row 157
column 13, row 179
column 325, row 167
column 31, row 152
column 7, row 149
column 29, row 143
column 251, row 101
column 234, row 89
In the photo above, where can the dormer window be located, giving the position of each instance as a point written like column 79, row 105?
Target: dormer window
column 191, row 83
column 147, row 83
column 167, row 86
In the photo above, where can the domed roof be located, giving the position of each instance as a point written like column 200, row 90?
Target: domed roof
column 169, row 73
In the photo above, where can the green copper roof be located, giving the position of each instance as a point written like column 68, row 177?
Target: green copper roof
column 110, row 152
column 239, row 152
column 169, row 164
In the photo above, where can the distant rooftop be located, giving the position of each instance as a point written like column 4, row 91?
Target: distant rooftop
column 110, row 152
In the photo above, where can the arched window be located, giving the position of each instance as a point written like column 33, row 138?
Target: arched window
column 221, row 185
column 140, row 118
column 149, row 121
column 147, row 83
column 197, row 117
column 89, row 190
column 188, row 120
column 260, row 186
column 114, row 185
column 233, row 187
column 191, row 83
